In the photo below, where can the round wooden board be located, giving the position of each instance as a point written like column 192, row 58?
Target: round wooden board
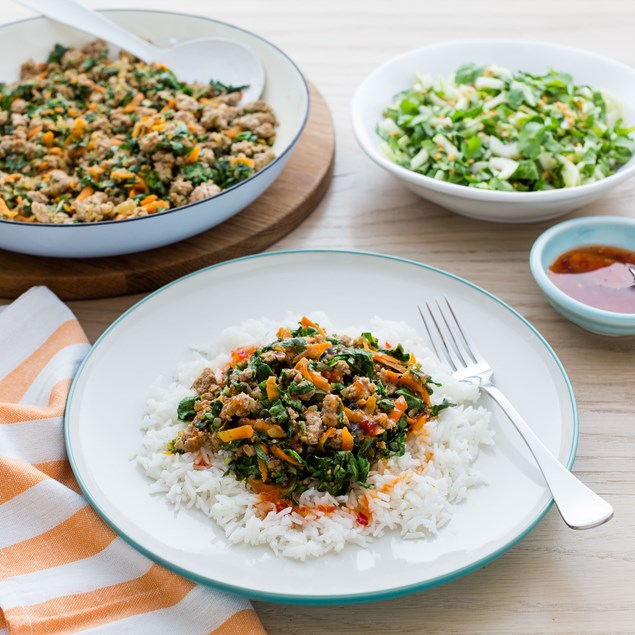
column 292, row 197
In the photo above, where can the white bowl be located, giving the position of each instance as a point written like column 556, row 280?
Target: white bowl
column 285, row 90
column 377, row 90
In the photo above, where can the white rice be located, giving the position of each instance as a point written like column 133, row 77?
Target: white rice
column 409, row 495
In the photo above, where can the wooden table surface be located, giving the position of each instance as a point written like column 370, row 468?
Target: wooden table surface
column 556, row 580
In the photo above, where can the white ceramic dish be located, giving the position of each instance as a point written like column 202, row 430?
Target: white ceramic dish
column 107, row 403
column 378, row 89
column 285, row 90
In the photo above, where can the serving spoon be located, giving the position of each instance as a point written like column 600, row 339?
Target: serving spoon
column 224, row 60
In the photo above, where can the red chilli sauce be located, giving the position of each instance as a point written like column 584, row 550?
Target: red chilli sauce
column 597, row 275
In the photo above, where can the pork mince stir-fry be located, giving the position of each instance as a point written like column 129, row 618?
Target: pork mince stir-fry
column 84, row 139
column 308, row 410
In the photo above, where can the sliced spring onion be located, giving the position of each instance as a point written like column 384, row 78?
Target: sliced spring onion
column 490, row 128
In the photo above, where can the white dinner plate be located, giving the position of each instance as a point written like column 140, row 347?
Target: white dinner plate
column 108, row 397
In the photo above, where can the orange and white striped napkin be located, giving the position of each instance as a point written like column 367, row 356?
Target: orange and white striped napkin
column 62, row 570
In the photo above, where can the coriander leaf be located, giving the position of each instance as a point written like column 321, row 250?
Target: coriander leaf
column 468, row 73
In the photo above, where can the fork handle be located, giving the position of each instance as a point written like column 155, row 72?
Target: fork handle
column 579, row 507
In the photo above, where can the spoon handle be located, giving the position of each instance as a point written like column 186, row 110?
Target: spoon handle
column 74, row 14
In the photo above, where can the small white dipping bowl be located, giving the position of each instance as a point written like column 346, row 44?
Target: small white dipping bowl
column 612, row 231
column 285, row 91
column 377, row 91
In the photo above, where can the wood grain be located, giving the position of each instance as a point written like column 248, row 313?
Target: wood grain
column 555, row 580
column 291, row 198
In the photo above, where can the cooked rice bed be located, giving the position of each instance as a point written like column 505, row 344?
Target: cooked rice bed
column 412, row 494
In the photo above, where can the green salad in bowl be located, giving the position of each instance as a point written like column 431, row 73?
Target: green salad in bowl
column 489, row 128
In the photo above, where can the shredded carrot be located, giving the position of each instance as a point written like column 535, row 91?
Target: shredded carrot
column 281, row 454
column 347, row 440
column 392, row 377
column 234, row 434
column 261, row 488
column 34, row 131
column 241, row 354
column 171, row 103
column 326, row 435
column 155, row 206
column 356, row 416
column 248, row 162
column 320, row 382
column 132, row 106
column 78, row 127
column 283, row 333
column 275, row 431
column 309, row 323
column 12, row 177
column 272, row 389
column 314, row 377
column 315, row 351
column 192, row 157
column 419, row 422
column 148, row 199
column 401, row 405
column 370, row 405
column 272, row 430
column 5, row 211
column 55, row 150
column 85, row 193
column 262, row 468
column 232, row 132
column 410, row 381
column 48, row 138
column 387, row 360
column 120, row 175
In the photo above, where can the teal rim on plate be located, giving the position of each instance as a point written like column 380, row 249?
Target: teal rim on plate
column 320, row 599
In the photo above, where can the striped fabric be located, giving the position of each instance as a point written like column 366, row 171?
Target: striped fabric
column 62, row 570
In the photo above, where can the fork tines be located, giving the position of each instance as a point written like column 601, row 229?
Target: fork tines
column 449, row 339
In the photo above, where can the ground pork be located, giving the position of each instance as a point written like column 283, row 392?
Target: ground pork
column 125, row 129
column 313, row 428
column 331, row 407
column 95, row 207
column 203, row 191
column 240, row 405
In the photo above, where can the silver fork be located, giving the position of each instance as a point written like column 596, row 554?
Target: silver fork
column 579, row 507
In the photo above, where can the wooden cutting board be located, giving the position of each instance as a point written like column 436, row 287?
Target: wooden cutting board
column 292, row 197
